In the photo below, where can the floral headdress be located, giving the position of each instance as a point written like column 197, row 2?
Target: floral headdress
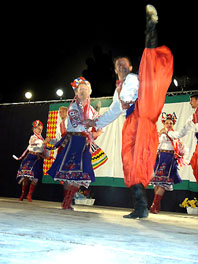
column 79, row 81
column 166, row 116
column 37, row 123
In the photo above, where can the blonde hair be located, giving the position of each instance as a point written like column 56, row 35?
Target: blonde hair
column 63, row 107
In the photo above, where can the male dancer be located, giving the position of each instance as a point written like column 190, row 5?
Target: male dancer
column 62, row 126
column 139, row 134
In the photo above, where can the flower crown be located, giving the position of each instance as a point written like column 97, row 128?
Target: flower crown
column 78, row 81
column 166, row 116
column 37, row 123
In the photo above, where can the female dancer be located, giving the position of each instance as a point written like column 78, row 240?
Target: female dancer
column 170, row 154
column 73, row 163
column 31, row 167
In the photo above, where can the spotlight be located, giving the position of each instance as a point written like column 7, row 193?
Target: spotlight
column 28, row 95
column 59, row 92
column 175, row 82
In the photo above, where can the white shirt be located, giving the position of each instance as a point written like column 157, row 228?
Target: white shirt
column 130, row 88
column 189, row 126
column 58, row 132
column 128, row 93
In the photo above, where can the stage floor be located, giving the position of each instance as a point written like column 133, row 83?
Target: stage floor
column 41, row 232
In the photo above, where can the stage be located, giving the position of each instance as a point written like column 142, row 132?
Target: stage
column 41, row 232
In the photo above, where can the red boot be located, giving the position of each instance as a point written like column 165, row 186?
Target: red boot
column 155, row 207
column 31, row 190
column 69, row 197
column 24, row 188
column 66, row 196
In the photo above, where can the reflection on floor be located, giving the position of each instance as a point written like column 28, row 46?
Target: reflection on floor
column 41, row 232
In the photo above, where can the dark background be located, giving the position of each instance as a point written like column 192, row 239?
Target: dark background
column 16, row 129
column 45, row 46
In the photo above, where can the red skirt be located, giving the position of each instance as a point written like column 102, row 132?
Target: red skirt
column 194, row 163
column 139, row 134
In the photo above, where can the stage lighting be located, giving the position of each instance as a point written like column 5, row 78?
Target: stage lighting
column 59, row 92
column 175, row 82
column 28, row 95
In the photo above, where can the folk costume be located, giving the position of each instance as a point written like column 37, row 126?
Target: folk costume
column 194, row 160
column 73, row 164
column 31, row 167
column 191, row 125
column 139, row 134
column 170, row 156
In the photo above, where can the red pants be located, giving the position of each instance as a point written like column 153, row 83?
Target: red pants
column 194, row 163
column 139, row 134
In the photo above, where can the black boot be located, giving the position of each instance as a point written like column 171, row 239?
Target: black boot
column 151, row 22
column 140, row 202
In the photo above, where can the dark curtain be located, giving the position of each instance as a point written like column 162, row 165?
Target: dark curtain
column 16, row 129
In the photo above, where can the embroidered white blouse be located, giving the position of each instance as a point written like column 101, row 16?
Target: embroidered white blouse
column 128, row 93
column 164, row 143
column 36, row 144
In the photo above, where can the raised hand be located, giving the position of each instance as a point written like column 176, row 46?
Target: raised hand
column 47, row 141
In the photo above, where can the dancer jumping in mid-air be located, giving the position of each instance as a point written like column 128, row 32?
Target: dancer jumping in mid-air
column 143, row 97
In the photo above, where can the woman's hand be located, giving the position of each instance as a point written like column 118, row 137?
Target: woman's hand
column 89, row 123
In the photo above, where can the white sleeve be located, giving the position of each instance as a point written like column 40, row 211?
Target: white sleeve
column 130, row 88
column 189, row 126
column 111, row 114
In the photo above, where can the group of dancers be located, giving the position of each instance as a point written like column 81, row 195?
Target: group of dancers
column 147, row 156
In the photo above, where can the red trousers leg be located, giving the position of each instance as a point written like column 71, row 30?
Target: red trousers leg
column 194, row 163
